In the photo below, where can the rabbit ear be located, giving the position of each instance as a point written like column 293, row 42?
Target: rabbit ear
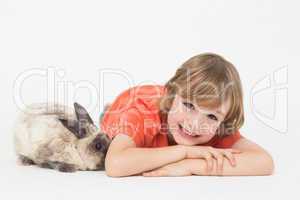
column 75, row 127
column 82, row 114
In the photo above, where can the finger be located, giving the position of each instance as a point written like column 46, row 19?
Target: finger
column 220, row 161
column 219, row 158
column 230, row 157
column 209, row 161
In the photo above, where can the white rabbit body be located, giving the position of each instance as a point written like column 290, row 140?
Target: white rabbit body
column 56, row 136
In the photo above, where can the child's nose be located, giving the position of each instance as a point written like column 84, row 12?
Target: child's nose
column 197, row 125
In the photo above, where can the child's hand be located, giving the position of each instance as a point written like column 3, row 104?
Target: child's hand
column 199, row 159
column 209, row 153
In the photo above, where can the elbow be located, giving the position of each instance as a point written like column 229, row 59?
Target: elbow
column 267, row 164
column 271, row 166
column 113, row 168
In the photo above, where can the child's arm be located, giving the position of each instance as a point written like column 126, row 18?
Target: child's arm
column 252, row 161
column 124, row 158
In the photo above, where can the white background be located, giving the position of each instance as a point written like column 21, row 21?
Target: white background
column 148, row 40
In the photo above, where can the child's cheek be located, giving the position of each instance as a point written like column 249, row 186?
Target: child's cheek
column 173, row 120
column 211, row 129
column 177, row 116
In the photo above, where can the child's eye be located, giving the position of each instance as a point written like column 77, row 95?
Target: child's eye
column 189, row 105
column 213, row 117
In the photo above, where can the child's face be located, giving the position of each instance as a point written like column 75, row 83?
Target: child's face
column 191, row 125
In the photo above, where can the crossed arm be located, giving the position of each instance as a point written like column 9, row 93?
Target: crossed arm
column 124, row 159
column 253, row 161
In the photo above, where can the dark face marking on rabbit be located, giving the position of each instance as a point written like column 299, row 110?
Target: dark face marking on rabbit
column 99, row 144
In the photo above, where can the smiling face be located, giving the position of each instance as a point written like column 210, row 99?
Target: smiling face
column 202, row 86
column 191, row 124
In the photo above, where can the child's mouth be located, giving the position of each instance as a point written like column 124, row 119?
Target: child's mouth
column 186, row 133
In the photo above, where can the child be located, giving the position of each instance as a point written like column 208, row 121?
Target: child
column 189, row 126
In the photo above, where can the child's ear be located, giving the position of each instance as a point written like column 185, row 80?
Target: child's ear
column 74, row 127
column 82, row 114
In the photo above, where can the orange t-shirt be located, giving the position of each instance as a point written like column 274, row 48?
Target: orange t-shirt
column 135, row 113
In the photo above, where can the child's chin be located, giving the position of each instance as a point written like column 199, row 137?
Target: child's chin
column 182, row 141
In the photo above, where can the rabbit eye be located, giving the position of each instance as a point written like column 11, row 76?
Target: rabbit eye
column 98, row 146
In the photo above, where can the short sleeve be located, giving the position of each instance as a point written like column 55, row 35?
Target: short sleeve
column 228, row 141
column 130, row 122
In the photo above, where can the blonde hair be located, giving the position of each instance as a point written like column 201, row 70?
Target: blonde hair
column 211, row 80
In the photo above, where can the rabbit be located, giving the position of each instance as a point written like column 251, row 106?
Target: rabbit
column 57, row 137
